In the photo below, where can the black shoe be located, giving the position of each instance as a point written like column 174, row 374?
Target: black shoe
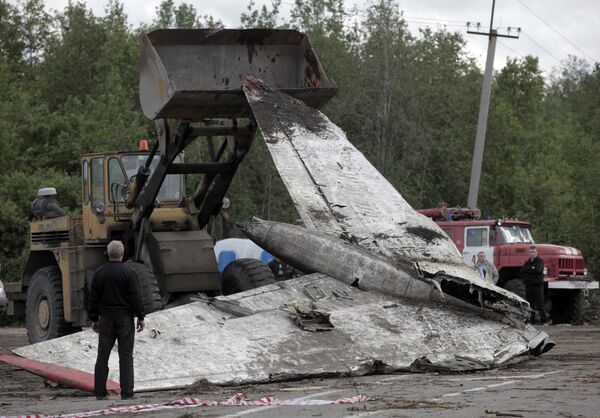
column 127, row 397
column 101, row 397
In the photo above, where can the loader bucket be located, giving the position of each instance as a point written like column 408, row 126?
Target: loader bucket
column 198, row 73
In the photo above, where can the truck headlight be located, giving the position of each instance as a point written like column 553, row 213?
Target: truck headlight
column 585, row 272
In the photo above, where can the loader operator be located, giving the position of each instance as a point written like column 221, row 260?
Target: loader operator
column 532, row 273
column 114, row 299
column 46, row 206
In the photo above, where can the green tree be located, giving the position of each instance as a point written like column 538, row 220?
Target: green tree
column 37, row 29
column 384, row 81
column 439, row 115
column 69, row 68
column 264, row 17
column 183, row 16
column 11, row 38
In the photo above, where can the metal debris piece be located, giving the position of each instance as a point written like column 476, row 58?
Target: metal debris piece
column 310, row 319
column 231, row 307
column 314, row 292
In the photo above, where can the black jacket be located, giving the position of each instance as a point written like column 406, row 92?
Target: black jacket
column 115, row 290
column 533, row 271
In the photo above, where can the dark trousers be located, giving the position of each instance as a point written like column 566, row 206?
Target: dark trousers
column 113, row 328
column 535, row 296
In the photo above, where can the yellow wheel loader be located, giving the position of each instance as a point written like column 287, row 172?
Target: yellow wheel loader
column 190, row 85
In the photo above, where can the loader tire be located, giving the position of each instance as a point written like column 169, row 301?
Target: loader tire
column 148, row 287
column 245, row 274
column 517, row 286
column 44, row 306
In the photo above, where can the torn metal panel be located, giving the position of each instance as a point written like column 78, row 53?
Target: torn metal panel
column 371, row 332
column 338, row 192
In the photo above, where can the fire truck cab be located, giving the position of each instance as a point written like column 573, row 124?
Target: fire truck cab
column 506, row 242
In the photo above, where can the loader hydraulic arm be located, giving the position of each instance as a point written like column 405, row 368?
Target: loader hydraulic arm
column 217, row 175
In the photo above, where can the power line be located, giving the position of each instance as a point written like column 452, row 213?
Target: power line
column 440, row 22
column 423, row 21
column 555, row 31
column 513, row 50
column 541, row 47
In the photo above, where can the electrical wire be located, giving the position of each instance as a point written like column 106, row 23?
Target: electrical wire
column 428, row 22
column 541, row 47
column 511, row 49
column 424, row 21
column 556, row 31
column 543, row 69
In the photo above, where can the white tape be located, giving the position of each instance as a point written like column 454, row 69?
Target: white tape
column 238, row 399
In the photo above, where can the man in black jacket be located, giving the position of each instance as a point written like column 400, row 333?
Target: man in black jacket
column 115, row 298
column 532, row 273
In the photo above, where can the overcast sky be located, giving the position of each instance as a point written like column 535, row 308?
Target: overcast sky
column 551, row 29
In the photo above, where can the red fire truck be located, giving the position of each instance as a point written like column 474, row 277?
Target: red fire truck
column 506, row 241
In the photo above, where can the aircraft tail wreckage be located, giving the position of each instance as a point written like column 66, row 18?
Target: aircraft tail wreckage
column 385, row 289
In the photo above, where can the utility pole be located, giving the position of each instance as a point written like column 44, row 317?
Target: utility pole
column 484, row 106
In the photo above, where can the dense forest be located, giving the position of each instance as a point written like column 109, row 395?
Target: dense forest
column 408, row 101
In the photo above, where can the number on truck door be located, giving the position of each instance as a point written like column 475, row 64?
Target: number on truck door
column 476, row 240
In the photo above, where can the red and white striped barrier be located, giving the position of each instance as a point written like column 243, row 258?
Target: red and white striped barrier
column 238, row 399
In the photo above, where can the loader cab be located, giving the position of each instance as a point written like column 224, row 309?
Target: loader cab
column 105, row 183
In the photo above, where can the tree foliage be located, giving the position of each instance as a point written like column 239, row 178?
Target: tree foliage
column 408, row 101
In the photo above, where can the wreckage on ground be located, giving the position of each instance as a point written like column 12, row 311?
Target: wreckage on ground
column 385, row 289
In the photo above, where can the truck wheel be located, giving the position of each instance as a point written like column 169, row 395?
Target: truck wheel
column 44, row 306
column 568, row 306
column 148, row 287
column 576, row 307
column 245, row 274
column 517, row 286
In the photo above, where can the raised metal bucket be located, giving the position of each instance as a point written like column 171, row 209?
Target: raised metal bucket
column 198, row 73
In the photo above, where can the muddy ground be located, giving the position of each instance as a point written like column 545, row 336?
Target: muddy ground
column 564, row 382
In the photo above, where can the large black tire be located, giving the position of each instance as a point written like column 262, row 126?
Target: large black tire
column 245, row 274
column 44, row 306
column 568, row 307
column 517, row 286
column 148, row 287
column 576, row 307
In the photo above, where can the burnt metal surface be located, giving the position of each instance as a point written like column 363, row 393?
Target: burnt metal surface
column 196, row 73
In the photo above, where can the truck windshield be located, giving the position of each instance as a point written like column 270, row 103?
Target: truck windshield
column 170, row 191
column 515, row 234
